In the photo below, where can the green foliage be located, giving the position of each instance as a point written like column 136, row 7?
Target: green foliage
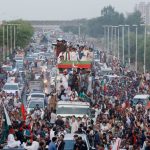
column 94, row 27
column 24, row 32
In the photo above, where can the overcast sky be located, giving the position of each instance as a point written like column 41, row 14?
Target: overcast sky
column 60, row 9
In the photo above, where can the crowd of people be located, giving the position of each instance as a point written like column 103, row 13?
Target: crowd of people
column 74, row 85
column 68, row 52
column 117, row 125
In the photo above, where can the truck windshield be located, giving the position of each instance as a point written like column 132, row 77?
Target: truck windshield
column 73, row 110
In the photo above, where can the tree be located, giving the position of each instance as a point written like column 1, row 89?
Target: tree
column 24, row 33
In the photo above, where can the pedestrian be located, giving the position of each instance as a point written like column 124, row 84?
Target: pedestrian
column 52, row 145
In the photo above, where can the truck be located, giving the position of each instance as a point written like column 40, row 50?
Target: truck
column 72, row 108
column 36, row 85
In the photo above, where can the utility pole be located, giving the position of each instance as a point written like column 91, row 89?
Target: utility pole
column 3, row 42
column 14, row 37
column 128, row 43
column 112, row 38
column 11, row 34
column 115, row 40
column 7, row 50
column 108, row 40
column 123, row 43
column 118, row 43
column 145, row 35
column 136, row 30
column 145, row 41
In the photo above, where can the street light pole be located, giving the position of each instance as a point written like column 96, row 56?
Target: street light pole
column 122, row 42
column 115, row 40
column 145, row 41
column 14, row 37
column 7, row 50
column 111, row 38
column 11, row 39
column 108, row 39
column 118, row 42
column 105, row 39
column 145, row 34
column 3, row 42
column 136, row 30
column 128, row 44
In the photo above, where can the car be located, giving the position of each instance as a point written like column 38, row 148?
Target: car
column 70, row 108
column 109, row 78
column 9, row 69
column 70, row 141
column 30, row 59
column 20, row 66
column 11, row 87
column 34, row 103
column 36, row 94
column 140, row 99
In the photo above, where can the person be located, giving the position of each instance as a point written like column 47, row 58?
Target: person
column 11, row 142
column 53, row 117
column 52, row 145
column 80, row 144
column 65, row 97
column 33, row 146
column 74, row 95
column 74, row 55
column 61, row 143
column 59, row 121
column 74, row 125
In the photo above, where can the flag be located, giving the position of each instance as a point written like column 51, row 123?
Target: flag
column 5, row 126
column 23, row 112
column 102, row 84
column 141, row 84
column 7, row 117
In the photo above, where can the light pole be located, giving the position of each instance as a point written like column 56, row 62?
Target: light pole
column 3, row 42
column 108, row 37
column 145, row 41
column 14, row 37
column 105, row 37
column 128, row 44
column 122, row 42
column 111, row 38
column 11, row 34
column 7, row 50
column 136, row 30
column 115, row 40
column 118, row 42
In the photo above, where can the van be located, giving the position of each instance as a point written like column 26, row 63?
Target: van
column 70, row 108
column 140, row 98
column 69, row 141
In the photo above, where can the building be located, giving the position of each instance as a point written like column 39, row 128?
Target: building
column 144, row 8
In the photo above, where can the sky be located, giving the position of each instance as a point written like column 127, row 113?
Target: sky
column 60, row 9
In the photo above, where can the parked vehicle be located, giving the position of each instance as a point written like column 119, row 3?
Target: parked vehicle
column 141, row 99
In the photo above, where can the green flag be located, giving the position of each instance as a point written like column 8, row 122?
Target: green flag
column 5, row 127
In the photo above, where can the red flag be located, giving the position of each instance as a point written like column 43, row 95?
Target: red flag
column 23, row 112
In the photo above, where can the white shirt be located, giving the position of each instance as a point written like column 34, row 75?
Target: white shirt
column 74, row 127
column 11, row 142
column 51, row 134
column 53, row 117
column 34, row 146
column 74, row 56
column 64, row 98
